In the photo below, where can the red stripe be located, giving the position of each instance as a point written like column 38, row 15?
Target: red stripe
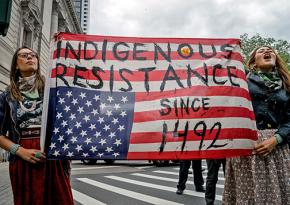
column 225, row 133
column 194, row 91
column 212, row 112
column 148, row 54
column 206, row 154
column 96, row 38
column 156, row 75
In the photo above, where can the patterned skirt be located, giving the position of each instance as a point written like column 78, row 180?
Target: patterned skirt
column 42, row 183
column 258, row 180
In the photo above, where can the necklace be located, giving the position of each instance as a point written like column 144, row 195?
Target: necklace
column 33, row 106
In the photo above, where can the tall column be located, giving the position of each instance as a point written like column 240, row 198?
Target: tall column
column 54, row 19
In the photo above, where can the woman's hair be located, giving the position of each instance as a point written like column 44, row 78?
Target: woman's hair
column 281, row 66
column 15, row 74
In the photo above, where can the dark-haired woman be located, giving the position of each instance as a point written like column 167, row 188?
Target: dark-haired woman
column 34, row 179
column 264, row 178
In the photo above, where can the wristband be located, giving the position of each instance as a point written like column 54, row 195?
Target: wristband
column 14, row 149
column 278, row 138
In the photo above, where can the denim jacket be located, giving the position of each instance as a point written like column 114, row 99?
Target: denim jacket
column 271, row 107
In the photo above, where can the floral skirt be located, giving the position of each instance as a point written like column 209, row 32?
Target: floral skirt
column 42, row 183
column 258, row 180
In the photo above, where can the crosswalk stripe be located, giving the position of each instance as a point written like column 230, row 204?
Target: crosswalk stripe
column 89, row 168
column 176, row 173
column 168, row 179
column 85, row 199
column 132, row 194
column 161, row 187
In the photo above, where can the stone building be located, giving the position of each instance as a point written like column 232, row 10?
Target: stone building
column 33, row 23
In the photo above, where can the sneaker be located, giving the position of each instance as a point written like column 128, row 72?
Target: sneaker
column 179, row 191
column 200, row 189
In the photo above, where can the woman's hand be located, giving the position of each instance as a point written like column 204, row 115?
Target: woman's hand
column 31, row 155
column 266, row 147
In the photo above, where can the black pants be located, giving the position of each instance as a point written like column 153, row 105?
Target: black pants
column 183, row 173
column 213, row 166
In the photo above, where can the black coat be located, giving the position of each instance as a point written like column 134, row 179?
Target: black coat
column 271, row 107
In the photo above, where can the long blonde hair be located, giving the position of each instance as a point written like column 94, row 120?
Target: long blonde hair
column 280, row 65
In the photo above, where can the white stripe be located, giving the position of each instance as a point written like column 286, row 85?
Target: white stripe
column 147, row 46
column 139, row 86
column 176, row 173
column 90, row 168
column 84, row 199
column 134, row 65
column 229, row 122
column 132, row 194
column 193, row 146
column 168, row 179
column 155, row 186
column 214, row 101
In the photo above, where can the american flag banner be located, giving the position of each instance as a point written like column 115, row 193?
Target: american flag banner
column 146, row 98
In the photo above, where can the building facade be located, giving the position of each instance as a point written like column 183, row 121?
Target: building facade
column 83, row 12
column 33, row 23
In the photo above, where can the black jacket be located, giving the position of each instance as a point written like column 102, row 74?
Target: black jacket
column 271, row 107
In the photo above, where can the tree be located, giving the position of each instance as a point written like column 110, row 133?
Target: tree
column 250, row 43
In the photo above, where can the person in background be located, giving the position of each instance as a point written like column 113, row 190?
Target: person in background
column 263, row 178
column 183, row 175
column 213, row 166
column 34, row 179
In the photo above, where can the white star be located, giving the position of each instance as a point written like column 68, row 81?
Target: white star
column 56, row 130
column 118, row 142
column 116, row 154
column 94, row 112
column 80, row 109
column 110, row 99
column 67, row 108
column 56, row 153
column 103, row 105
column 123, row 113
column 103, row 141
column 124, row 99
column 112, row 134
column 100, row 154
column 107, row 127
column 65, row 146
column 83, row 95
column 97, row 97
column 116, row 106
column 52, row 145
column 68, row 131
column 57, row 93
column 83, row 133
column 89, row 103
column 109, row 149
column 70, row 154
column 98, row 134
column 121, row 127
column 115, row 121
column 69, row 93
column 78, row 125
column 58, row 115
column 92, row 126
column 88, row 141
column 86, row 118
column 61, row 100
column 79, row 148
column 85, row 154
column 101, row 120
column 60, row 139
column 75, row 101
column 74, row 139
column 93, row 149
column 64, row 123
column 72, row 116
column 109, row 113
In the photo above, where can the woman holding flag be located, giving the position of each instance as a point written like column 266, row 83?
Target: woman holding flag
column 34, row 179
column 263, row 178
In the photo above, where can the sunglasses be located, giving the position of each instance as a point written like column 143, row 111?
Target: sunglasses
column 25, row 55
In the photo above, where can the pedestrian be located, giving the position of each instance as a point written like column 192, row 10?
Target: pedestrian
column 263, row 178
column 213, row 166
column 183, row 175
column 34, row 179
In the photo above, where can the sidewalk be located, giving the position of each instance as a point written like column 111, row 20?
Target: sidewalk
column 5, row 187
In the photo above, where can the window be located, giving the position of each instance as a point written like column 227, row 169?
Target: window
column 85, row 24
column 85, row 20
column 85, row 12
column 27, row 38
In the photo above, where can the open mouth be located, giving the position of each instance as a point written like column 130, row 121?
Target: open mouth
column 267, row 56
